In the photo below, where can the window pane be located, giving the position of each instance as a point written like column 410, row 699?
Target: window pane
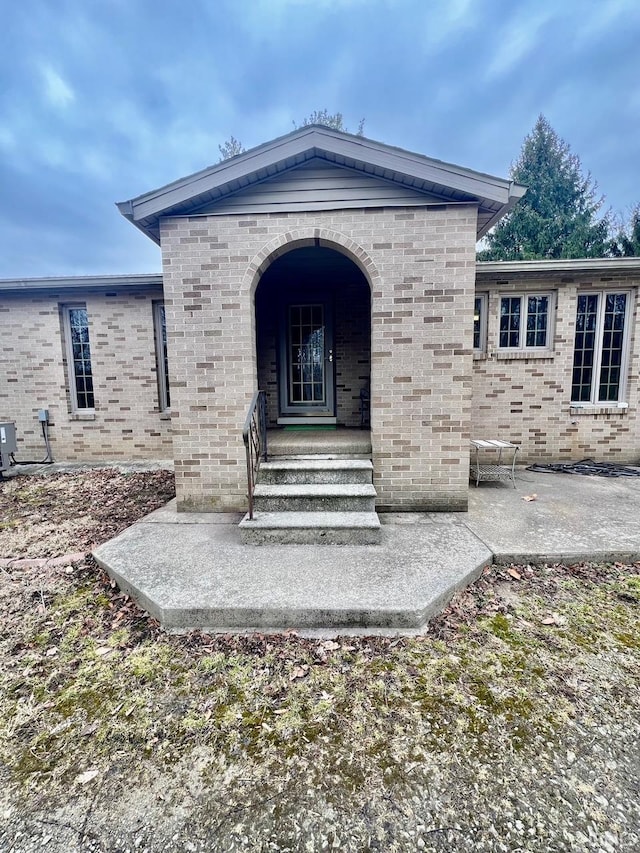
column 583, row 353
column 162, row 360
column 510, row 321
column 477, row 321
column 537, row 320
column 614, row 313
column 81, row 366
column 165, row 359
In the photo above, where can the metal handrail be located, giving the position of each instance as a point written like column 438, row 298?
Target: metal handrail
column 254, row 436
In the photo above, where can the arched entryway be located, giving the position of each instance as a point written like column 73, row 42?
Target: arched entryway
column 313, row 338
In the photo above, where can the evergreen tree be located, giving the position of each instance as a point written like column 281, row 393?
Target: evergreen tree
column 626, row 243
column 557, row 218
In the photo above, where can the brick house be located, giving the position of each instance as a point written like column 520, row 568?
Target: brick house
column 315, row 267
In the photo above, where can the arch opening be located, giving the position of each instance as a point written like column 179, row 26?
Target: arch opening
column 313, row 338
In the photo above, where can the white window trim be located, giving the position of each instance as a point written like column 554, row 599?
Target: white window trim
column 71, row 373
column 484, row 310
column 620, row 403
column 163, row 389
column 524, row 299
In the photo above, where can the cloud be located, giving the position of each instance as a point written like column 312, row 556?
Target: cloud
column 57, row 91
column 517, row 40
column 103, row 101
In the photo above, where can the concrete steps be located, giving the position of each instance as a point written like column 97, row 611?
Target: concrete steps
column 313, row 499
column 312, row 528
column 316, row 469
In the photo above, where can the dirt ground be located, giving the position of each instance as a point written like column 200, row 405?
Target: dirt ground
column 513, row 724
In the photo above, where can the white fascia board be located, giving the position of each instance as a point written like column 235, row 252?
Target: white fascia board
column 82, row 282
column 472, row 183
column 516, row 192
column 314, row 141
column 493, row 269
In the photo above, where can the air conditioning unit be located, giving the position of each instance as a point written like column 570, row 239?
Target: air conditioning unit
column 7, row 444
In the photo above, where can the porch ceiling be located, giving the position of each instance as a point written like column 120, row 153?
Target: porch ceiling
column 439, row 181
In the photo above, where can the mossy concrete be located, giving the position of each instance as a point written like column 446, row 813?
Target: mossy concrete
column 197, row 574
column 192, row 570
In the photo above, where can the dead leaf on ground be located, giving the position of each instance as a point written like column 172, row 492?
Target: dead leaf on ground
column 299, row 672
column 87, row 776
column 533, row 497
column 514, row 573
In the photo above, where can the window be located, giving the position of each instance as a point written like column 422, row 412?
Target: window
column 525, row 321
column 480, row 323
column 76, row 331
column 599, row 354
column 162, row 362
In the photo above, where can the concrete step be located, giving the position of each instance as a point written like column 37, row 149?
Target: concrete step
column 317, row 497
column 311, row 528
column 339, row 457
column 348, row 443
column 314, row 471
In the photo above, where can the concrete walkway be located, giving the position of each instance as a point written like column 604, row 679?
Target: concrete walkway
column 192, row 571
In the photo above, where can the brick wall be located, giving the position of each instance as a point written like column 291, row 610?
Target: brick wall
column 526, row 398
column 421, row 267
column 353, row 350
column 127, row 423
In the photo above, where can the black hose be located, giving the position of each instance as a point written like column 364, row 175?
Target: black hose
column 48, row 459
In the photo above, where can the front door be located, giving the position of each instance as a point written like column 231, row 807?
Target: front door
column 307, row 385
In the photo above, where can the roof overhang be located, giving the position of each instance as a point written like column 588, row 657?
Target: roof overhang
column 559, row 267
column 449, row 183
column 81, row 283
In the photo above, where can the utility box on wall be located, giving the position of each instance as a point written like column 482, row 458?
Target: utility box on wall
column 7, row 444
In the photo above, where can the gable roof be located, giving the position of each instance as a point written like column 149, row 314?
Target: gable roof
column 439, row 182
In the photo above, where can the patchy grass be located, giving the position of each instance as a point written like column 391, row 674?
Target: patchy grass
column 89, row 668
column 505, row 680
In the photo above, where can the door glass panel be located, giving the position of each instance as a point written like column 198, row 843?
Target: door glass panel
column 306, row 354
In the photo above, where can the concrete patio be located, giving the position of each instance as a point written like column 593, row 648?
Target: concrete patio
column 192, row 571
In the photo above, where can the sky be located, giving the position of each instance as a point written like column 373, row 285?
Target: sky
column 103, row 100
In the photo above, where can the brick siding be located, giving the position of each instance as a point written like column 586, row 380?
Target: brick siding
column 127, row 423
column 420, row 264
column 409, row 328
column 527, row 398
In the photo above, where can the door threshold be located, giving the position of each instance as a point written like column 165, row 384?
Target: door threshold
column 310, row 421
